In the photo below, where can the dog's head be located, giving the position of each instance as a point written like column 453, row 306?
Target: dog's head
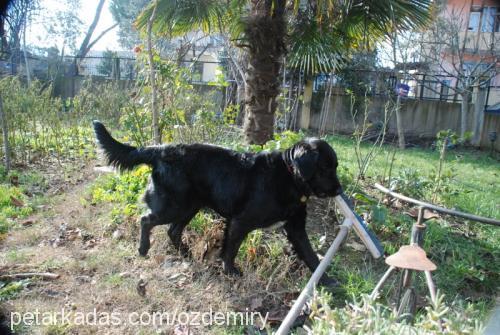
column 315, row 163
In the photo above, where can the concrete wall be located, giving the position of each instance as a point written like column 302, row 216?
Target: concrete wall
column 491, row 123
column 422, row 119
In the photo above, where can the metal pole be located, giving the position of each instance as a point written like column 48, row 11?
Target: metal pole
column 432, row 287
column 381, row 282
column 306, row 292
column 438, row 208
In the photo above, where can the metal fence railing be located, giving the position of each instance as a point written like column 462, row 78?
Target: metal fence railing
column 422, row 86
column 383, row 83
column 122, row 68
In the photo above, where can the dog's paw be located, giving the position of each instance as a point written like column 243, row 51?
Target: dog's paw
column 143, row 252
column 231, row 270
column 328, row 282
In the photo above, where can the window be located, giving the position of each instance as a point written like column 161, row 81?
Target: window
column 474, row 21
column 445, row 89
column 490, row 20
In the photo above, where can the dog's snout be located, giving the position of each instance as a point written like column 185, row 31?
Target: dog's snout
column 339, row 190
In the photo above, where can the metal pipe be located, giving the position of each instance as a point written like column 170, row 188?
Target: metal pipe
column 381, row 282
column 438, row 208
column 432, row 287
column 306, row 292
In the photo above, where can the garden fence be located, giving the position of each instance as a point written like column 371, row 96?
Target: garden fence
column 420, row 86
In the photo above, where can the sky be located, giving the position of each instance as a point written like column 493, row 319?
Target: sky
column 37, row 34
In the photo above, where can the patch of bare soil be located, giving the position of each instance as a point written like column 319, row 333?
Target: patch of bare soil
column 106, row 288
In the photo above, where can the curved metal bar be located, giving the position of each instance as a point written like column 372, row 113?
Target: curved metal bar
column 437, row 208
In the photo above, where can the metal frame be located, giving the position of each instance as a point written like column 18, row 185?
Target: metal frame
column 368, row 238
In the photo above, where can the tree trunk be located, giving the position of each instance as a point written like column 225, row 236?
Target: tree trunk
column 3, row 36
column 152, row 79
column 464, row 110
column 85, row 43
column 240, row 100
column 5, row 132
column 305, row 115
column 399, row 124
column 265, row 31
column 26, row 61
column 479, row 116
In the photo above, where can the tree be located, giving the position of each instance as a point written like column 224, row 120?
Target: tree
column 15, row 19
column 64, row 23
column 468, row 57
column 152, row 78
column 105, row 67
column 86, row 44
column 321, row 33
column 124, row 12
column 5, row 132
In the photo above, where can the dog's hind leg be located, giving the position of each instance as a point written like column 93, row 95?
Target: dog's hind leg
column 175, row 233
column 147, row 223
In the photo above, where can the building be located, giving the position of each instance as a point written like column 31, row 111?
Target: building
column 469, row 49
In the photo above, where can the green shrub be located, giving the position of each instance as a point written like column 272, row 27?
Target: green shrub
column 365, row 316
column 10, row 290
column 9, row 210
column 123, row 189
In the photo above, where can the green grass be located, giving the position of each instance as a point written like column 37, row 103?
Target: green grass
column 471, row 177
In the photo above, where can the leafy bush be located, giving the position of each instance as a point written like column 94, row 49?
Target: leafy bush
column 12, row 205
column 9, row 290
column 365, row 316
column 123, row 190
column 41, row 125
column 411, row 183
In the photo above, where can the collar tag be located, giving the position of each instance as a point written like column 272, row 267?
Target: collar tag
column 304, row 198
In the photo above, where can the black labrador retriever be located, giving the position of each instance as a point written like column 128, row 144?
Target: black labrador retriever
column 250, row 190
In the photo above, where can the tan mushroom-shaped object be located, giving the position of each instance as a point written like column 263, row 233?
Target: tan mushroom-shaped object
column 411, row 257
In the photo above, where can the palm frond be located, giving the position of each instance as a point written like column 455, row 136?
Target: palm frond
column 178, row 17
column 380, row 17
column 314, row 51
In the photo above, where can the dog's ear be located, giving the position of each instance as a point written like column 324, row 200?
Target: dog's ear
column 305, row 160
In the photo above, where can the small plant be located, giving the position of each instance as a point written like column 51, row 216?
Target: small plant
column 366, row 316
column 13, row 204
column 10, row 290
column 444, row 139
column 124, row 190
column 410, row 182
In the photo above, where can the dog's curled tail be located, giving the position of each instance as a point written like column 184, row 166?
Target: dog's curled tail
column 120, row 155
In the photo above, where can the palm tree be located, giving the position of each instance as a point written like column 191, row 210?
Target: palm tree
column 318, row 34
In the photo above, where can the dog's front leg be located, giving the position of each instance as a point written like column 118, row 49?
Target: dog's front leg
column 233, row 237
column 296, row 233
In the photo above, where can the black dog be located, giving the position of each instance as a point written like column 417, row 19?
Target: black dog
column 250, row 190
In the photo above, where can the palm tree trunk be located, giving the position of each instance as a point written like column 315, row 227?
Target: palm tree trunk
column 265, row 31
